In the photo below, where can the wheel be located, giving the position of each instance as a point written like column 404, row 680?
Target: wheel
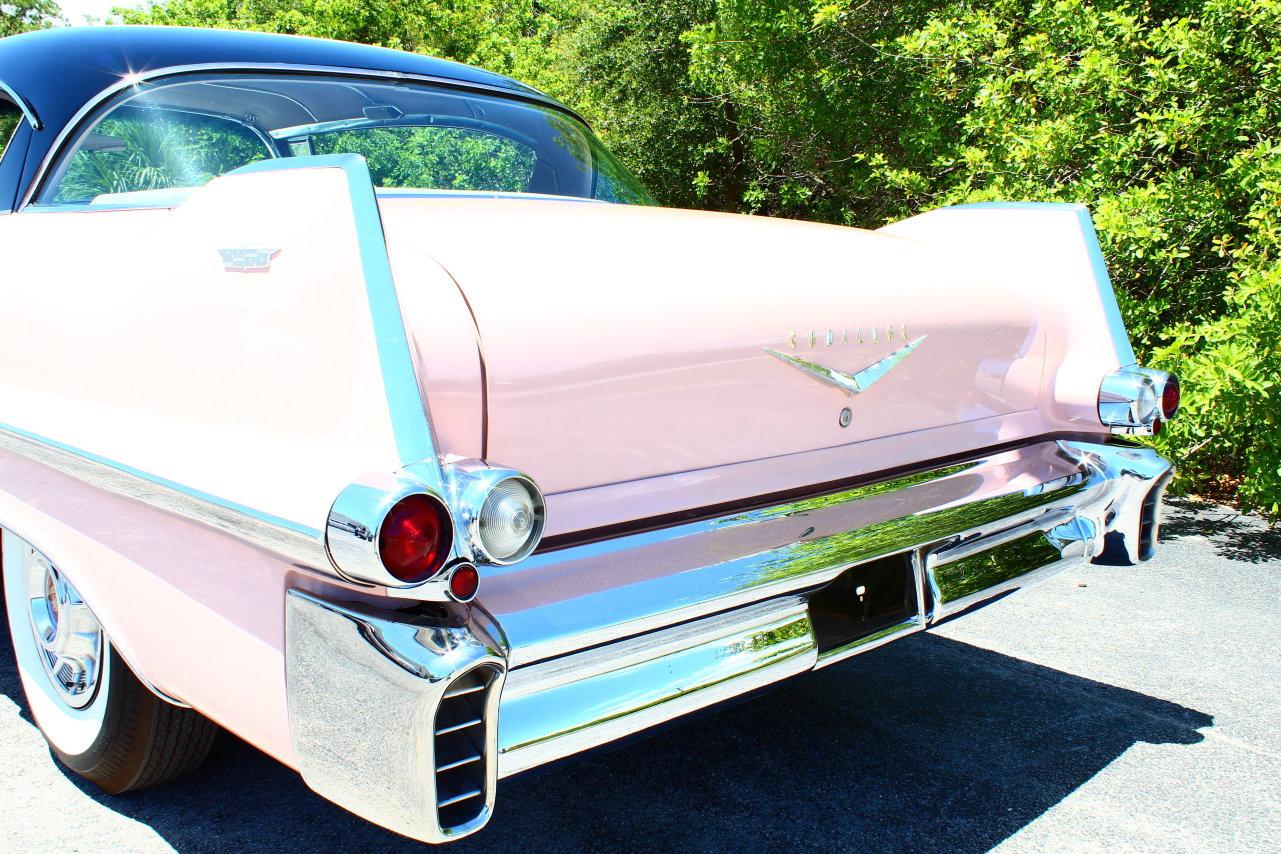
column 98, row 718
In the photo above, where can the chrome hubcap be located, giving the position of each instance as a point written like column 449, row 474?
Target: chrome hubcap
column 68, row 635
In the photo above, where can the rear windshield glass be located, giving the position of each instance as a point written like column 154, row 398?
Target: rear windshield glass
column 159, row 139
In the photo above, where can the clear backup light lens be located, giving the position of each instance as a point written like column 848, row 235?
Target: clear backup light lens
column 510, row 521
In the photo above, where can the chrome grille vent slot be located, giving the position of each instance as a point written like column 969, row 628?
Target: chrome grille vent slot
column 462, row 742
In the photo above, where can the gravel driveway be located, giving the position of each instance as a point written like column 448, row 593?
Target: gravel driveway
column 1126, row 708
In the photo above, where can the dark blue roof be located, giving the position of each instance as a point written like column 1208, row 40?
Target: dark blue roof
column 58, row 71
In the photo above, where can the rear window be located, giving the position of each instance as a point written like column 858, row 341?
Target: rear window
column 435, row 157
column 158, row 140
column 134, row 150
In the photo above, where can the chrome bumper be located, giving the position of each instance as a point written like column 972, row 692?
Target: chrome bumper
column 669, row 622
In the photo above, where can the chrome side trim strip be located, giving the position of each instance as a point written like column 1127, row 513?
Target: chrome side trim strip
column 563, row 707
column 305, row 546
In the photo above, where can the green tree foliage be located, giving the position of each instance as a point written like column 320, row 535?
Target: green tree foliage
column 1163, row 117
column 502, row 35
column 625, row 65
column 23, row 15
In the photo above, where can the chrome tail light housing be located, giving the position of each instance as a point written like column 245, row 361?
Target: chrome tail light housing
column 398, row 532
column 1135, row 401
column 380, row 531
column 501, row 511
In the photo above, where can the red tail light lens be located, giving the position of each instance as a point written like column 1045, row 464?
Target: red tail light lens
column 464, row 581
column 414, row 539
column 1170, row 397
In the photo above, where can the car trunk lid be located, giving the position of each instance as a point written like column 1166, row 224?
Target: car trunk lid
column 622, row 342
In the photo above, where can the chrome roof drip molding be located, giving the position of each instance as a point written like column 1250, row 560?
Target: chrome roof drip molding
column 20, row 102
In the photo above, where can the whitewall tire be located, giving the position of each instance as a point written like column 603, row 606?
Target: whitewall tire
column 99, row 719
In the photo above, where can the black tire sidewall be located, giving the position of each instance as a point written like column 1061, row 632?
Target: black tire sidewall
column 111, row 692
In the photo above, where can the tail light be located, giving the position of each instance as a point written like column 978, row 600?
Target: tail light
column 464, row 581
column 510, row 520
column 1136, row 400
column 398, row 532
column 1168, row 387
column 414, row 538
column 392, row 531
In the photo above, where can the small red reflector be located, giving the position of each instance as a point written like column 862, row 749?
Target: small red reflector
column 1170, row 397
column 414, row 539
column 1156, row 427
column 464, row 581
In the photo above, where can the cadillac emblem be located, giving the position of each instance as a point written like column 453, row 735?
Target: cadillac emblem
column 248, row 259
column 850, row 383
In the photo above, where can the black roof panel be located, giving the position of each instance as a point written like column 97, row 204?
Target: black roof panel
column 58, row 71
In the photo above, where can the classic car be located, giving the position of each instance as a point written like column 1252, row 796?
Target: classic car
column 361, row 404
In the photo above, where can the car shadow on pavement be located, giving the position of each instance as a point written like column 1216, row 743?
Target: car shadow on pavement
column 928, row 743
column 1233, row 535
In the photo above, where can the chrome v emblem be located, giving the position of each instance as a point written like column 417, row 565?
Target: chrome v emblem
column 855, row 383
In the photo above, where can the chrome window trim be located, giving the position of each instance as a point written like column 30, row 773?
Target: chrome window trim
column 21, row 103
column 73, row 125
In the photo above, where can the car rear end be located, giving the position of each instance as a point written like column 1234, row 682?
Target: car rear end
column 638, row 602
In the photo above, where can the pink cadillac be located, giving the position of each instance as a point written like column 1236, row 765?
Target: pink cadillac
column 361, row 404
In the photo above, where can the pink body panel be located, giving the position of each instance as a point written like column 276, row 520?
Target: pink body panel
column 264, row 390
column 624, row 348
column 198, row 613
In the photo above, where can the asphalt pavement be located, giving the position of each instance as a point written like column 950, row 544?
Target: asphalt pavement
column 1118, row 708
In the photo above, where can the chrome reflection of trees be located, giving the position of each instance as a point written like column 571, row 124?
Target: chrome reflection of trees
column 892, row 535
column 981, row 571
